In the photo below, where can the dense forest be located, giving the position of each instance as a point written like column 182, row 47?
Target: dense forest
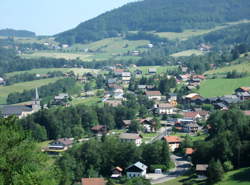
column 158, row 15
column 16, row 33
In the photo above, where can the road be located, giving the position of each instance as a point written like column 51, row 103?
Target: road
column 181, row 166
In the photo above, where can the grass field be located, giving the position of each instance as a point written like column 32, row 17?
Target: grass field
column 220, row 87
column 242, row 67
column 160, row 69
column 187, row 53
column 191, row 33
column 101, row 50
column 87, row 101
column 55, row 54
column 19, row 87
column 78, row 71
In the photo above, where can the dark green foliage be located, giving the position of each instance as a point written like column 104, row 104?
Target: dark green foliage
column 50, row 90
column 138, row 181
column 16, row 33
column 157, row 15
column 235, row 74
column 228, row 139
column 215, row 171
column 21, row 161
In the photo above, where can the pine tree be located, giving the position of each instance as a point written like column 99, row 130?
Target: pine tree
column 215, row 171
column 165, row 154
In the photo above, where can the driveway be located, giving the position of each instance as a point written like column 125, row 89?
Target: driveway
column 181, row 166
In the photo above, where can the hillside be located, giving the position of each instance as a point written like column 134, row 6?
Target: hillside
column 16, row 33
column 158, row 15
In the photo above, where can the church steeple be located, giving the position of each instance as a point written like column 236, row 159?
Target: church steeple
column 36, row 102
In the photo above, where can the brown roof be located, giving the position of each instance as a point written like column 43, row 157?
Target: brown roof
column 245, row 88
column 98, row 127
column 93, row 181
column 129, row 136
column 66, row 141
column 189, row 151
column 172, row 139
column 201, row 167
column 165, row 105
column 113, row 103
column 190, row 114
column 119, row 70
column 202, row 77
column 153, row 93
column 203, row 112
column 118, row 169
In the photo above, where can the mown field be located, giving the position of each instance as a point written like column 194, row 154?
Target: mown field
column 160, row 69
column 77, row 71
column 220, row 86
column 242, row 67
column 236, row 177
column 188, row 53
column 19, row 87
column 191, row 33
column 104, row 49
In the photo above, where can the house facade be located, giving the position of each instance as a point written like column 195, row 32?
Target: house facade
column 173, row 142
column 136, row 170
column 131, row 137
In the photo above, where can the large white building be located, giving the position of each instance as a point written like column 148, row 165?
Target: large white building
column 136, row 170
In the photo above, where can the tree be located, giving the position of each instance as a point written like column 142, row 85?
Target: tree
column 21, row 160
column 165, row 154
column 215, row 171
column 134, row 126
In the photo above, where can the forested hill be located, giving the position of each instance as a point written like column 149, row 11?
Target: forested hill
column 16, row 33
column 158, row 15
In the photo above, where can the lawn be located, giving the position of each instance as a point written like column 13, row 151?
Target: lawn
column 87, row 101
column 188, row 53
column 58, row 55
column 160, row 69
column 191, row 33
column 19, row 87
column 220, row 87
column 77, row 71
column 242, row 67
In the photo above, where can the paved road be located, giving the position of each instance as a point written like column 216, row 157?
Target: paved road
column 164, row 131
column 181, row 166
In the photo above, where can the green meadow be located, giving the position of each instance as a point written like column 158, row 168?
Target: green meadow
column 19, row 87
column 220, row 86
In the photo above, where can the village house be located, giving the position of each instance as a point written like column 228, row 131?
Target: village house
column 165, row 108
column 191, row 128
column 116, row 172
column 185, row 77
column 118, row 72
column 61, row 98
column 126, row 76
column 59, row 145
column 113, row 103
column 172, row 99
column 189, row 152
column 131, row 137
column 152, row 71
column 99, row 130
column 201, row 170
column 153, row 95
column 242, row 89
column 173, row 142
column 195, row 116
column 118, row 94
column 2, row 81
column 22, row 111
column 136, row 170
column 93, row 181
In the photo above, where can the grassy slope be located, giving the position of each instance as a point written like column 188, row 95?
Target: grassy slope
column 191, row 33
column 160, row 69
column 219, row 87
column 103, row 49
column 19, row 87
column 187, row 53
column 46, row 70
column 242, row 67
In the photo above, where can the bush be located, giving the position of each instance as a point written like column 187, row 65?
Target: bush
column 158, row 166
column 228, row 166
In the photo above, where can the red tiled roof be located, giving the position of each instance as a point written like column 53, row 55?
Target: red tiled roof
column 247, row 112
column 203, row 113
column 202, row 77
column 189, row 151
column 172, row 139
column 153, row 93
column 245, row 88
column 119, row 70
column 93, row 181
column 190, row 114
column 98, row 127
column 118, row 169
